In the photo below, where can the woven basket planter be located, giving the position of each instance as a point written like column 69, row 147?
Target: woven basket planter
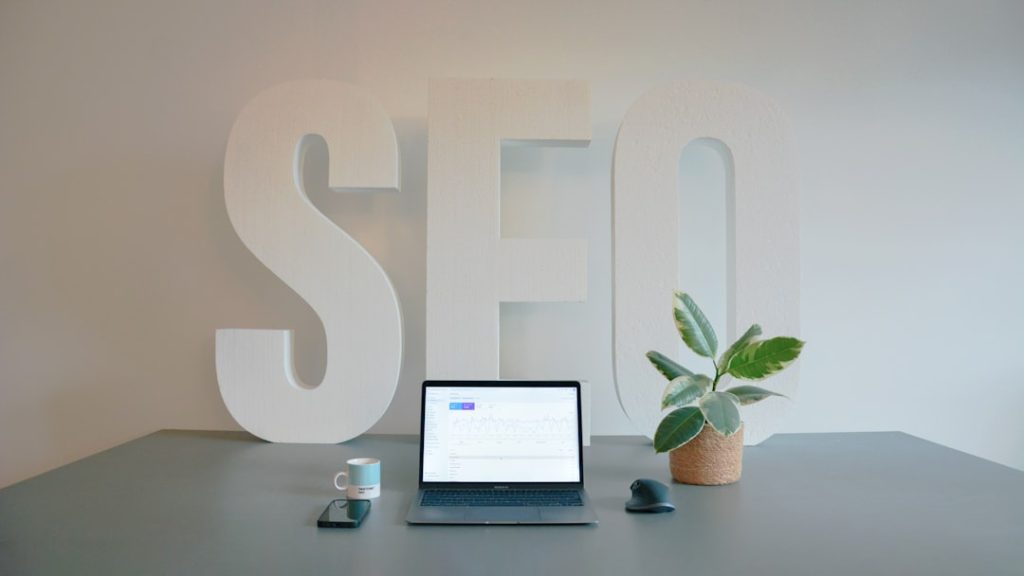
column 710, row 459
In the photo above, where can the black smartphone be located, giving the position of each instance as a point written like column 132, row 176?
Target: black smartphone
column 344, row 514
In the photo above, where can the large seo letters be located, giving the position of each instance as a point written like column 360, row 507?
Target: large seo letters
column 471, row 269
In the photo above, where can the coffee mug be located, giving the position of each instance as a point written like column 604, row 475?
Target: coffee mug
column 360, row 480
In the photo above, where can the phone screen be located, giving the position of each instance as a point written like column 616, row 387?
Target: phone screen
column 344, row 514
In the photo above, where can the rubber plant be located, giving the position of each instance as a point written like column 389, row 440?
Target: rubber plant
column 695, row 398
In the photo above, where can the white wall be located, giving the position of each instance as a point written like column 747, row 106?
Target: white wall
column 117, row 261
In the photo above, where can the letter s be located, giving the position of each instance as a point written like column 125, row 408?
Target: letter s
column 344, row 285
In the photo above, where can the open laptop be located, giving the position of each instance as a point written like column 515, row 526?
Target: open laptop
column 496, row 452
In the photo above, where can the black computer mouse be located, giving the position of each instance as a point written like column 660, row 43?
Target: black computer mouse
column 649, row 496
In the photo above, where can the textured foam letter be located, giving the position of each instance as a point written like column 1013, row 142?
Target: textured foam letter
column 343, row 284
column 470, row 267
column 764, row 267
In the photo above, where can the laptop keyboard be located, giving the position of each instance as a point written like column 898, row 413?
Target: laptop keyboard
column 501, row 498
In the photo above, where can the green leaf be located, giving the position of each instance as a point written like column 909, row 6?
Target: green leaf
column 669, row 368
column 749, row 336
column 748, row 394
column 722, row 411
column 677, row 428
column 759, row 360
column 685, row 389
column 694, row 327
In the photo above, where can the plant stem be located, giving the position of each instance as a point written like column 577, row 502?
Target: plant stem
column 714, row 384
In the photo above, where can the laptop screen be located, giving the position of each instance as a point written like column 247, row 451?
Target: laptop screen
column 524, row 432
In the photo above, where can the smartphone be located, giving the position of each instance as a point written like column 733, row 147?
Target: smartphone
column 344, row 514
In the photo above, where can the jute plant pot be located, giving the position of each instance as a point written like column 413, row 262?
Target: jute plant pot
column 710, row 459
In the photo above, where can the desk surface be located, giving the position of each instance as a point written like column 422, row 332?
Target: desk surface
column 178, row 502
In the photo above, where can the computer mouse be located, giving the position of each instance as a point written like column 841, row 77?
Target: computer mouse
column 649, row 496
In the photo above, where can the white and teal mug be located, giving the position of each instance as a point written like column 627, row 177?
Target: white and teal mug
column 360, row 480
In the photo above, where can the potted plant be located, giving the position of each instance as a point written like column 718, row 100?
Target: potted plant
column 704, row 433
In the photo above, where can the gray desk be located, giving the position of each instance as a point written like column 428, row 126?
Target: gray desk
column 225, row 503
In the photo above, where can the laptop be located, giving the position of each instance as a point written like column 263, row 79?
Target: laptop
column 496, row 452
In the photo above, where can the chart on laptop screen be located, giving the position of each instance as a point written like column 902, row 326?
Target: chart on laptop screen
column 496, row 434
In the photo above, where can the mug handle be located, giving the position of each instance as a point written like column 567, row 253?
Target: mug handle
column 341, row 475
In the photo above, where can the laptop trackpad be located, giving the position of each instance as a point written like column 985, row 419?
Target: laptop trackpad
column 503, row 515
